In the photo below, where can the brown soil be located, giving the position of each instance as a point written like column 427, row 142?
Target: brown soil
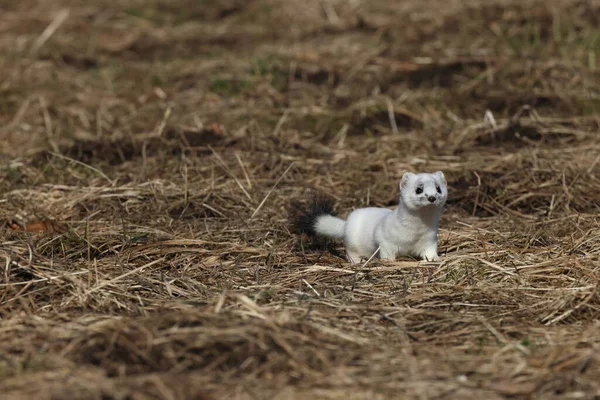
column 149, row 151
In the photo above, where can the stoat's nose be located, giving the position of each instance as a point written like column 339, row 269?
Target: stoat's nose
column 431, row 199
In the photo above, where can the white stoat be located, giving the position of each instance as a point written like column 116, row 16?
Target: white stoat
column 409, row 230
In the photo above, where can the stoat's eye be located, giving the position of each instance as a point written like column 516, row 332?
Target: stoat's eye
column 419, row 190
column 438, row 189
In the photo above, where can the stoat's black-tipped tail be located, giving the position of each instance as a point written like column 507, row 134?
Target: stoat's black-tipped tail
column 304, row 216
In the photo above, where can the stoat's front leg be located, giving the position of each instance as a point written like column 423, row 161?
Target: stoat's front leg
column 387, row 252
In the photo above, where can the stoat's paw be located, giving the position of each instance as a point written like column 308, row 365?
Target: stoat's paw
column 431, row 257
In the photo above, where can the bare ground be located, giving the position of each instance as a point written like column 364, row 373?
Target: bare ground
column 157, row 144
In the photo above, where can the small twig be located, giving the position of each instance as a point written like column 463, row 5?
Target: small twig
column 48, row 279
column 330, row 12
column 593, row 165
column 163, row 122
column 280, row 122
column 220, row 303
column 493, row 331
column 48, row 123
column 20, row 112
column 311, row 287
column 186, row 188
column 267, row 196
column 102, row 174
column 226, row 168
column 370, row 258
column 244, row 170
column 494, row 266
column 118, row 278
column 7, row 271
column 50, row 30
column 489, row 117
column 392, row 115
column 476, row 203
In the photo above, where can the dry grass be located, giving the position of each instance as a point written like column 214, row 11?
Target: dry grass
column 165, row 140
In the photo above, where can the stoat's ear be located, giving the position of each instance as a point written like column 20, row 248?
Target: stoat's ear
column 441, row 176
column 406, row 178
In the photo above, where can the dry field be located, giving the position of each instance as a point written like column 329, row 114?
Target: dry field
column 154, row 146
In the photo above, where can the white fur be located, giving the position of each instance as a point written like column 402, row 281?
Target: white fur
column 330, row 226
column 409, row 230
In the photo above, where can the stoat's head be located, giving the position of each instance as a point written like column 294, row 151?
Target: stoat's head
column 423, row 190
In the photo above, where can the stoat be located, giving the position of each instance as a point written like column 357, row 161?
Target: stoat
column 409, row 230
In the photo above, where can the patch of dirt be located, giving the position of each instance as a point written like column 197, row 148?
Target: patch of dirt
column 174, row 142
column 150, row 152
column 440, row 74
column 516, row 135
column 506, row 103
column 378, row 120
